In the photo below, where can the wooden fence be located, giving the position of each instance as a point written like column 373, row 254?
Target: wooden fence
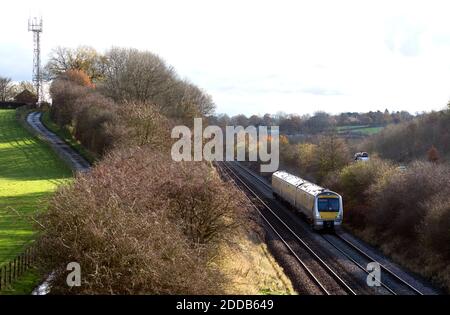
column 12, row 270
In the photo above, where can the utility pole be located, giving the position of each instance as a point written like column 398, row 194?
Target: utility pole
column 35, row 26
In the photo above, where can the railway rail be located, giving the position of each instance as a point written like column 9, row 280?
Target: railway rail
column 240, row 183
column 397, row 285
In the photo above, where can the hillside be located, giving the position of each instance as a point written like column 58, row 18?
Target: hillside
column 413, row 140
column 29, row 173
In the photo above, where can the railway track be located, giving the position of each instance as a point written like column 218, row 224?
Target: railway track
column 270, row 215
column 391, row 281
column 385, row 270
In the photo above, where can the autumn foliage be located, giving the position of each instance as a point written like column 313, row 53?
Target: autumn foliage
column 139, row 223
column 78, row 76
column 403, row 210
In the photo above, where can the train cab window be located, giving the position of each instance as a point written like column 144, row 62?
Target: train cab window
column 328, row 204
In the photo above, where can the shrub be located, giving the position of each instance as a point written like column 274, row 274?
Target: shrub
column 353, row 183
column 434, row 230
column 435, row 239
column 64, row 95
column 307, row 159
column 410, row 141
column 78, row 77
column 94, row 116
column 143, row 124
column 332, row 155
column 140, row 223
column 399, row 201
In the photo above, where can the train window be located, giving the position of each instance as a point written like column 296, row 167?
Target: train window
column 328, row 204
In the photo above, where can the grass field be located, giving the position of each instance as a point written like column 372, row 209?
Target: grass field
column 360, row 129
column 29, row 172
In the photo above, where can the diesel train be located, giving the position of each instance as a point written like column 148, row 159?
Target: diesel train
column 322, row 207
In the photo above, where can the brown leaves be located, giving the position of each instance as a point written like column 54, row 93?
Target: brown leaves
column 140, row 223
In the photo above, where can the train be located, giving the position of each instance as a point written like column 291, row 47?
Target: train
column 323, row 208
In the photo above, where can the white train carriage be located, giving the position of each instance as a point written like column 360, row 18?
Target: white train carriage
column 322, row 207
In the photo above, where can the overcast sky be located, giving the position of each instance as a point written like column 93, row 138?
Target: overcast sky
column 259, row 56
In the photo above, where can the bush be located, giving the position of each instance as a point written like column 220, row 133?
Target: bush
column 94, row 116
column 434, row 230
column 332, row 155
column 435, row 239
column 78, row 77
column 140, row 223
column 64, row 95
column 307, row 160
column 142, row 124
column 398, row 201
column 353, row 183
column 410, row 141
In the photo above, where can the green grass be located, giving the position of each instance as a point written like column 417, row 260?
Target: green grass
column 66, row 135
column 29, row 172
column 360, row 129
column 24, row 285
column 347, row 128
column 370, row 130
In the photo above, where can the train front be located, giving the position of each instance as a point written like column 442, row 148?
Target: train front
column 329, row 210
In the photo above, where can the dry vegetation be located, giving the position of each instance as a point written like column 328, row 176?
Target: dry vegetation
column 405, row 212
column 412, row 140
column 139, row 223
column 249, row 266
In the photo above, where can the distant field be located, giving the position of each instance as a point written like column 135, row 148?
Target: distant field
column 359, row 129
column 29, row 173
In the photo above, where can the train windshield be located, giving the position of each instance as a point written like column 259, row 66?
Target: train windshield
column 328, row 204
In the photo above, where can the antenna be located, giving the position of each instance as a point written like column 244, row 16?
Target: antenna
column 35, row 26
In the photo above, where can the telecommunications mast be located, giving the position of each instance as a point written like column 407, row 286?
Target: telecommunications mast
column 35, row 26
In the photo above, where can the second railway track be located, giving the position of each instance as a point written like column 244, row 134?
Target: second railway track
column 315, row 267
column 391, row 281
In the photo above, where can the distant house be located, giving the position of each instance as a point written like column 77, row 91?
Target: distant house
column 26, row 97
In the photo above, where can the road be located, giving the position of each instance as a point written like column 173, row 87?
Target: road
column 73, row 158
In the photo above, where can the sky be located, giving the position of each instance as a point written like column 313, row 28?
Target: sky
column 256, row 57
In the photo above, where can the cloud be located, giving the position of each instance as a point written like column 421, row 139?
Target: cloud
column 403, row 37
column 318, row 91
column 292, row 55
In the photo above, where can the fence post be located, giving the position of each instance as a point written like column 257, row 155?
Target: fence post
column 15, row 268
column 26, row 258
column 10, row 273
column 20, row 265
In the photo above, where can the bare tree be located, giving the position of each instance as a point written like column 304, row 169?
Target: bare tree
column 83, row 58
column 133, row 75
column 22, row 86
column 332, row 154
column 6, row 86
